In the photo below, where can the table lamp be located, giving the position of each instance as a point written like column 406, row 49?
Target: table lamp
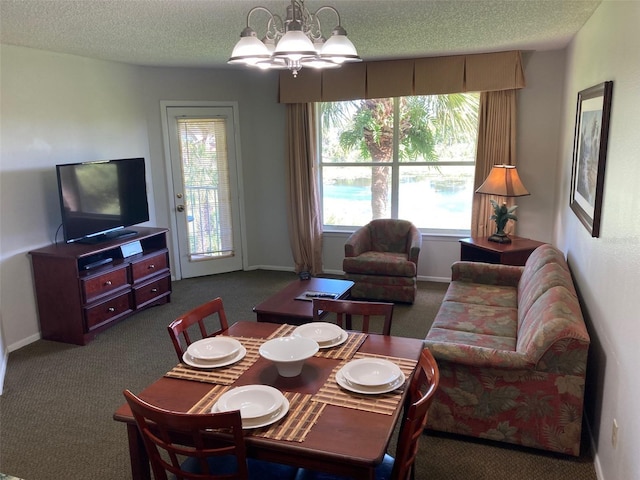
column 503, row 181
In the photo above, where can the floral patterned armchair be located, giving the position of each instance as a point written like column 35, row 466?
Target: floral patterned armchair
column 511, row 345
column 381, row 258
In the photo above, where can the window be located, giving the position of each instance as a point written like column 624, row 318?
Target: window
column 406, row 157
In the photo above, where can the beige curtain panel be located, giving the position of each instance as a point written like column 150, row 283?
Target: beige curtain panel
column 305, row 223
column 423, row 76
column 496, row 146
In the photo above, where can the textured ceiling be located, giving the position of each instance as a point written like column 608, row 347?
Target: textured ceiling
column 202, row 33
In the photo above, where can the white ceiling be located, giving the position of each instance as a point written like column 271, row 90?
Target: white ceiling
column 202, row 33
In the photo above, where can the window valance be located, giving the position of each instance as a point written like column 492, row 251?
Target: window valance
column 393, row 78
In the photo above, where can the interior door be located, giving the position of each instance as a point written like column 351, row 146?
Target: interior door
column 205, row 200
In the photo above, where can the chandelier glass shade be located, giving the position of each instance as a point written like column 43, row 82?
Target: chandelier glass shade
column 294, row 42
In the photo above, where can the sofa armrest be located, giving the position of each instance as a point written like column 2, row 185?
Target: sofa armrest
column 487, row 273
column 358, row 243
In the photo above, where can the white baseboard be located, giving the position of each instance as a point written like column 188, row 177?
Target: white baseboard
column 420, row 278
column 270, row 267
column 3, row 370
column 596, row 459
column 434, row 279
column 24, row 342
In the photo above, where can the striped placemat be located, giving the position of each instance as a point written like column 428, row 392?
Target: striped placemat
column 343, row 351
column 385, row 403
column 221, row 375
column 294, row 427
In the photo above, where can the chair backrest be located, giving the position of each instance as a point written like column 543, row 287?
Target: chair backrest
column 391, row 235
column 346, row 309
column 173, row 438
column 179, row 328
column 422, row 389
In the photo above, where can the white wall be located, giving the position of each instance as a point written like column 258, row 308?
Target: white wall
column 607, row 269
column 55, row 109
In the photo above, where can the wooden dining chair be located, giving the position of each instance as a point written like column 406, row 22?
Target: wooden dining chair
column 422, row 389
column 208, row 314
column 180, row 445
column 345, row 310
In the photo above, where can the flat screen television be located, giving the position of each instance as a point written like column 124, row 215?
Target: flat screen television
column 99, row 199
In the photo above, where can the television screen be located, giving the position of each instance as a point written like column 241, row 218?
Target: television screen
column 98, row 199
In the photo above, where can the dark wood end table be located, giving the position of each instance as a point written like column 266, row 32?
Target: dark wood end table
column 481, row 249
column 284, row 308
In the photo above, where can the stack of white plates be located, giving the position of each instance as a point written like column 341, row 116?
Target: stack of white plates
column 326, row 334
column 259, row 405
column 214, row 352
column 370, row 376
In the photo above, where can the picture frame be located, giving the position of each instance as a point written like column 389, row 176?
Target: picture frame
column 590, row 154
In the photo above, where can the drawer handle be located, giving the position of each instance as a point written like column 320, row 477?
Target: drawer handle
column 151, row 265
column 154, row 290
column 111, row 309
column 107, row 283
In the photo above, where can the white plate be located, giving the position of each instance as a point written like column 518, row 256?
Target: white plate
column 321, row 332
column 214, row 348
column 371, row 372
column 253, row 401
column 263, row 422
column 339, row 341
column 194, row 362
column 346, row 384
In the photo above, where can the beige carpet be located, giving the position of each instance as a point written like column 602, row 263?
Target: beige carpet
column 56, row 410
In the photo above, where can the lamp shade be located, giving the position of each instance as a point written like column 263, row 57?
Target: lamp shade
column 504, row 181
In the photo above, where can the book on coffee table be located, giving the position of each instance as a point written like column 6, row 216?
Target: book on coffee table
column 309, row 295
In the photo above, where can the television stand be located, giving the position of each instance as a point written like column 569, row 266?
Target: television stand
column 83, row 289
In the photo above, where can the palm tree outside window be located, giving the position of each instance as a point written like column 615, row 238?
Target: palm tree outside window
column 407, row 157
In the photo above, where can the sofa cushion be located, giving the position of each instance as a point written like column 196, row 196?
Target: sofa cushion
column 447, row 338
column 482, row 294
column 484, row 351
column 380, row 263
column 541, row 256
column 487, row 273
column 553, row 317
column 479, row 319
column 549, row 276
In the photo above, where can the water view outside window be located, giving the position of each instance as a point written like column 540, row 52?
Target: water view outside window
column 409, row 157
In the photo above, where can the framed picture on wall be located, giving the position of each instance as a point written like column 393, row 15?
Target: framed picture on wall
column 590, row 154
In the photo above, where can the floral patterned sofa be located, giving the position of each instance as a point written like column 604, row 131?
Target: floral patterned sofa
column 511, row 345
column 381, row 259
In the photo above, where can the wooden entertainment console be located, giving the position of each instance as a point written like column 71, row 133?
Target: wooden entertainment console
column 83, row 289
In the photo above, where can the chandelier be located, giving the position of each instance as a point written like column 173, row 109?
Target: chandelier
column 294, row 42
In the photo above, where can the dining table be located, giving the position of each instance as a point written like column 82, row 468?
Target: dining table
column 326, row 428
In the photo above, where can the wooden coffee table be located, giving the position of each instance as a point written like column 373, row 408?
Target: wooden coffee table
column 284, row 308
